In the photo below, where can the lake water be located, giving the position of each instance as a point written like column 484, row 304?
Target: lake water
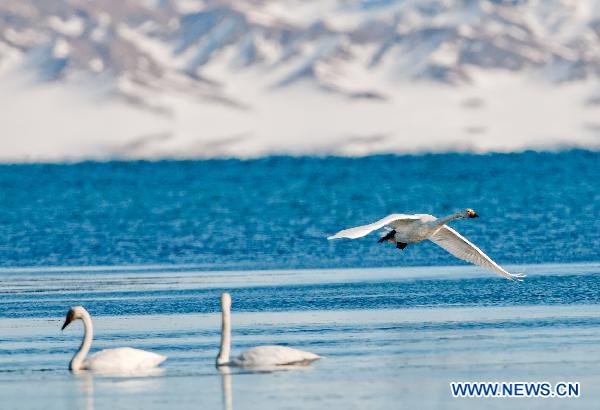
column 147, row 248
column 390, row 337
column 277, row 212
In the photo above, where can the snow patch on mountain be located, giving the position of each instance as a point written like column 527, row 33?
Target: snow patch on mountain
column 204, row 78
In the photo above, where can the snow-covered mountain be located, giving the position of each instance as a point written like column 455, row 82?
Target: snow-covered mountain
column 193, row 78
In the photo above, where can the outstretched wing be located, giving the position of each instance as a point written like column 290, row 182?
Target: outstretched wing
column 360, row 231
column 460, row 247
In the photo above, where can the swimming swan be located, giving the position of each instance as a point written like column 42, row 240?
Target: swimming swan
column 404, row 229
column 261, row 356
column 120, row 360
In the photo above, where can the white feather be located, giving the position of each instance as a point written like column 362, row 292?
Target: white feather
column 460, row 247
column 122, row 360
column 273, row 356
column 261, row 357
column 114, row 361
column 419, row 227
column 363, row 230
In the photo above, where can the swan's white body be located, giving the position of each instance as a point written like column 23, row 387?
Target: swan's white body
column 419, row 227
column 120, row 360
column 256, row 357
column 273, row 356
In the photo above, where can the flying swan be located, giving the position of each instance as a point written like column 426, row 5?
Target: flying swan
column 403, row 229
column 120, row 360
column 256, row 357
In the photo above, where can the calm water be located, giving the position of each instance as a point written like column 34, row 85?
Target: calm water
column 391, row 337
column 148, row 247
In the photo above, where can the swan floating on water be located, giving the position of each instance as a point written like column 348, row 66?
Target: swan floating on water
column 257, row 357
column 403, row 229
column 120, row 360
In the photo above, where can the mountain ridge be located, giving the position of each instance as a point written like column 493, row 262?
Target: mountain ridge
column 151, row 55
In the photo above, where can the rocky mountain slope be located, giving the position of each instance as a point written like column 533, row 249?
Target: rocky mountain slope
column 240, row 55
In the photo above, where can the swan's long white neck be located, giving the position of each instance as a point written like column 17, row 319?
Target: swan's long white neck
column 223, row 357
column 443, row 221
column 88, row 335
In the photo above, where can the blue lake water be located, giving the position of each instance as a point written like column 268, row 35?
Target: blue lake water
column 276, row 212
column 148, row 247
column 390, row 337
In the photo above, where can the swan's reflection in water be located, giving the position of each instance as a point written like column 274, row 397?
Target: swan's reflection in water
column 85, row 381
column 226, row 386
column 227, row 372
column 90, row 384
column 135, row 382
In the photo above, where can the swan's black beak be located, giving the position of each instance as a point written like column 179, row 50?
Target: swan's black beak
column 474, row 215
column 70, row 317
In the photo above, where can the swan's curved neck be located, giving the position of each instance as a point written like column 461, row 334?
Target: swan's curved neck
column 443, row 221
column 223, row 357
column 88, row 335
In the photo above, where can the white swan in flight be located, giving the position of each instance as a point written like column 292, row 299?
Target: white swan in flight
column 404, row 229
column 120, row 360
column 256, row 357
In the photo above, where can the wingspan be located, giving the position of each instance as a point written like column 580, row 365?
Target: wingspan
column 460, row 247
column 360, row 231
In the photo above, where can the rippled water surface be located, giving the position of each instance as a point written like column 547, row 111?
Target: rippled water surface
column 390, row 337
column 147, row 248
column 277, row 212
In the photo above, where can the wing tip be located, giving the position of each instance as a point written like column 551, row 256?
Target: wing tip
column 517, row 277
